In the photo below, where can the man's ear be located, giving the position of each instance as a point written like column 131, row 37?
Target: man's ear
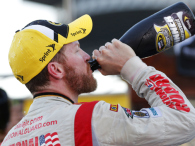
column 55, row 70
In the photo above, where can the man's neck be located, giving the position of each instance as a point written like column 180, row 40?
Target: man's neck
column 65, row 92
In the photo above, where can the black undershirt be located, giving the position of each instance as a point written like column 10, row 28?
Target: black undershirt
column 52, row 93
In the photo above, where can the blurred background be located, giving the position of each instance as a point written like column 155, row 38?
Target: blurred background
column 111, row 18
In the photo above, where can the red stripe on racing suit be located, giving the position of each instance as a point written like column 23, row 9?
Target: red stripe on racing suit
column 82, row 124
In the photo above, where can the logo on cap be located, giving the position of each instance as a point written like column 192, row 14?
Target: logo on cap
column 53, row 23
column 53, row 46
column 42, row 59
column 83, row 30
column 20, row 78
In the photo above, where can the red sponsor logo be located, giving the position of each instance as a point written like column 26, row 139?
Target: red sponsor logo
column 29, row 129
column 43, row 140
column 169, row 95
column 114, row 108
column 28, row 122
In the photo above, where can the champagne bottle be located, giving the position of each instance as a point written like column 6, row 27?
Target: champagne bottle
column 159, row 32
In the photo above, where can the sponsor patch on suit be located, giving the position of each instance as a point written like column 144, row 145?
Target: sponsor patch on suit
column 114, row 108
column 128, row 112
column 141, row 114
column 154, row 112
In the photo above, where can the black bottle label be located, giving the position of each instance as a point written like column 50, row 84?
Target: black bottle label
column 174, row 29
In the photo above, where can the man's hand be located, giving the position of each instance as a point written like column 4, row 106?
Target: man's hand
column 113, row 56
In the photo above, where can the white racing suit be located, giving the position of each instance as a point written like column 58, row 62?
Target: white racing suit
column 53, row 120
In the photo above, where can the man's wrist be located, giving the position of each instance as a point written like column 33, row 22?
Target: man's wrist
column 131, row 68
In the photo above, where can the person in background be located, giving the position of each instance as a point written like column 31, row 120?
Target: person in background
column 4, row 113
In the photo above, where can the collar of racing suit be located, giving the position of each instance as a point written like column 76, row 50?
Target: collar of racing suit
column 52, row 94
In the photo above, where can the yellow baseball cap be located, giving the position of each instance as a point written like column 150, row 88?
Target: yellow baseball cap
column 38, row 42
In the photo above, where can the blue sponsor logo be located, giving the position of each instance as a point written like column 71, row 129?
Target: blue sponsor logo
column 154, row 111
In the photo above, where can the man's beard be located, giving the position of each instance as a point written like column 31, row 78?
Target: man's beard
column 79, row 83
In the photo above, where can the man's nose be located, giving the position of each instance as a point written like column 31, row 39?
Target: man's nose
column 86, row 56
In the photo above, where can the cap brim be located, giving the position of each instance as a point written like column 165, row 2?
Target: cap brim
column 78, row 29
